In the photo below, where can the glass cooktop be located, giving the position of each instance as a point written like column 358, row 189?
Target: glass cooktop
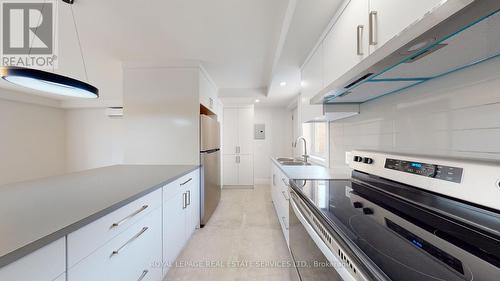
column 405, row 241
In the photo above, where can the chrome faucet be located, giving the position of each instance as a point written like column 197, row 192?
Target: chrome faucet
column 305, row 156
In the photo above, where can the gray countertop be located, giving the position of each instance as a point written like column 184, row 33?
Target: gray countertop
column 313, row 172
column 36, row 213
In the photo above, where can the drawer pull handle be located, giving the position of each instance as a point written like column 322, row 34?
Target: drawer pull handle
column 188, row 198
column 284, row 195
column 144, row 273
column 186, row 181
column 284, row 222
column 284, row 181
column 116, row 224
column 116, row 252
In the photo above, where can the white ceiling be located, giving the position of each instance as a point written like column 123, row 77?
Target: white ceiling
column 245, row 45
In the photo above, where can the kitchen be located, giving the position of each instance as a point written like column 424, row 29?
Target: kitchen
column 256, row 140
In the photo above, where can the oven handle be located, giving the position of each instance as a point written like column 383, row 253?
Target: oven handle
column 338, row 265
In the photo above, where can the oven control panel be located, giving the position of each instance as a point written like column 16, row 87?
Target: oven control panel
column 447, row 173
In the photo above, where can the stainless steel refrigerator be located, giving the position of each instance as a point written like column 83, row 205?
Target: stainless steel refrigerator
column 211, row 165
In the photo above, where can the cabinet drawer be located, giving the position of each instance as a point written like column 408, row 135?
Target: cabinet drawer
column 133, row 254
column 45, row 264
column 84, row 241
column 173, row 188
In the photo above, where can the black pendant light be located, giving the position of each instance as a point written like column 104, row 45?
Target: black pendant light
column 51, row 82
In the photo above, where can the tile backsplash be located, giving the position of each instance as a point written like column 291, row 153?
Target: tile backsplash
column 455, row 115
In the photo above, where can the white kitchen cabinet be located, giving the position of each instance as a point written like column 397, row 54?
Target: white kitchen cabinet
column 389, row 17
column 347, row 42
column 181, row 215
column 208, row 92
column 245, row 130
column 312, row 82
column 280, row 197
column 238, row 146
column 45, row 264
column 245, row 169
column 133, row 254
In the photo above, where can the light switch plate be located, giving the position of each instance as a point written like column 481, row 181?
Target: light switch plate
column 348, row 157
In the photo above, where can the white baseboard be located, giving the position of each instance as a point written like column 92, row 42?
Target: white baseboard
column 238, row 187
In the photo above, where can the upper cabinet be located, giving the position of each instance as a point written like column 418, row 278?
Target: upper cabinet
column 208, row 93
column 347, row 42
column 387, row 18
column 312, row 82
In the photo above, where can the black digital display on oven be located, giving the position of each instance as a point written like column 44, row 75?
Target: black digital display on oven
column 452, row 174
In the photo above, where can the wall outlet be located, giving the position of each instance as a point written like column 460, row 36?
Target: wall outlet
column 348, row 157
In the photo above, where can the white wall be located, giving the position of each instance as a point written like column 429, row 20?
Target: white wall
column 93, row 139
column 277, row 143
column 456, row 115
column 161, row 114
column 32, row 142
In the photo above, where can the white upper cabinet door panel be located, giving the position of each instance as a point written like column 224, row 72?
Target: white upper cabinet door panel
column 347, row 42
column 312, row 74
column 245, row 130
column 230, row 129
column 389, row 17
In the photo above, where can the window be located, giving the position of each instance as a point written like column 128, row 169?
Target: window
column 318, row 134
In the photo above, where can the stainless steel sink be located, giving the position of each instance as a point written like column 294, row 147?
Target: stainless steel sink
column 295, row 163
column 285, row 159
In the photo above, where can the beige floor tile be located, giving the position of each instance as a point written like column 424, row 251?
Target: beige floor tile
column 241, row 242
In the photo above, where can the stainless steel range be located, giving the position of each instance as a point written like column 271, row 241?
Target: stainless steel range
column 399, row 217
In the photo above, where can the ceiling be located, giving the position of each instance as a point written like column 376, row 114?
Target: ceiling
column 245, row 45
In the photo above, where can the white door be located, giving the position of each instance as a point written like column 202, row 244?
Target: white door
column 230, row 170
column 390, row 17
column 230, row 129
column 174, row 228
column 245, row 169
column 245, row 130
column 347, row 42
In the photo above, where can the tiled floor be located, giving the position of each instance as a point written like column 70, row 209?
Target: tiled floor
column 242, row 242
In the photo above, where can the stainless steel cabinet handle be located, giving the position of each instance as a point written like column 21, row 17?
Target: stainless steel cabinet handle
column 184, row 200
column 284, row 181
column 238, row 159
column 188, row 198
column 117, row 251
column 373, row 28
column 284, row 195
column 238, row 149
column 144, row 273
column 211, row 102
column 120, row 222
column 284, row 222
column 359, row 40
column 274, row 180
column 190, row 179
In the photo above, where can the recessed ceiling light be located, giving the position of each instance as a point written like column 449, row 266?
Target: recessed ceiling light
column 257, row 100
column 283, row 84
column 303, row 83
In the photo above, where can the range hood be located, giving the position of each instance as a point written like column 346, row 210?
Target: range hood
column 465, row 38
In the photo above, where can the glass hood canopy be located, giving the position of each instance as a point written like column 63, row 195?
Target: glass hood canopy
column 453, row 45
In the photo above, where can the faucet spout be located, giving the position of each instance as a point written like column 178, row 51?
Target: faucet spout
column 305, row 155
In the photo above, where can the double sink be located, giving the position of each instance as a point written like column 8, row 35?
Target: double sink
column 292, row 162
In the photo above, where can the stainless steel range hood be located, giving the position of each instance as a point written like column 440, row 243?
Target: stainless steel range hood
column 467, row 37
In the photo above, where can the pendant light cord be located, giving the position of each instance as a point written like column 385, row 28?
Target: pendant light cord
column 79, row 43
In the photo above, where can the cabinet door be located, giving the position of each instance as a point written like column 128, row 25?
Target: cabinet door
column 174, row 228
column 341, row 43
column 230, row 170
column 392, row 16
column 312, row 78
column 230, row 129
column 245, row 170
column 193, row 207
column 245, row 130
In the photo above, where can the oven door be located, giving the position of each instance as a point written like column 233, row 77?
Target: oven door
column 314, row 261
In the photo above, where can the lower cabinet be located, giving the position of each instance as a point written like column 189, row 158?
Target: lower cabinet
column 181, row 216
column 135, row 254
column 238, row 169
column 280, row 196
column 45, row 264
